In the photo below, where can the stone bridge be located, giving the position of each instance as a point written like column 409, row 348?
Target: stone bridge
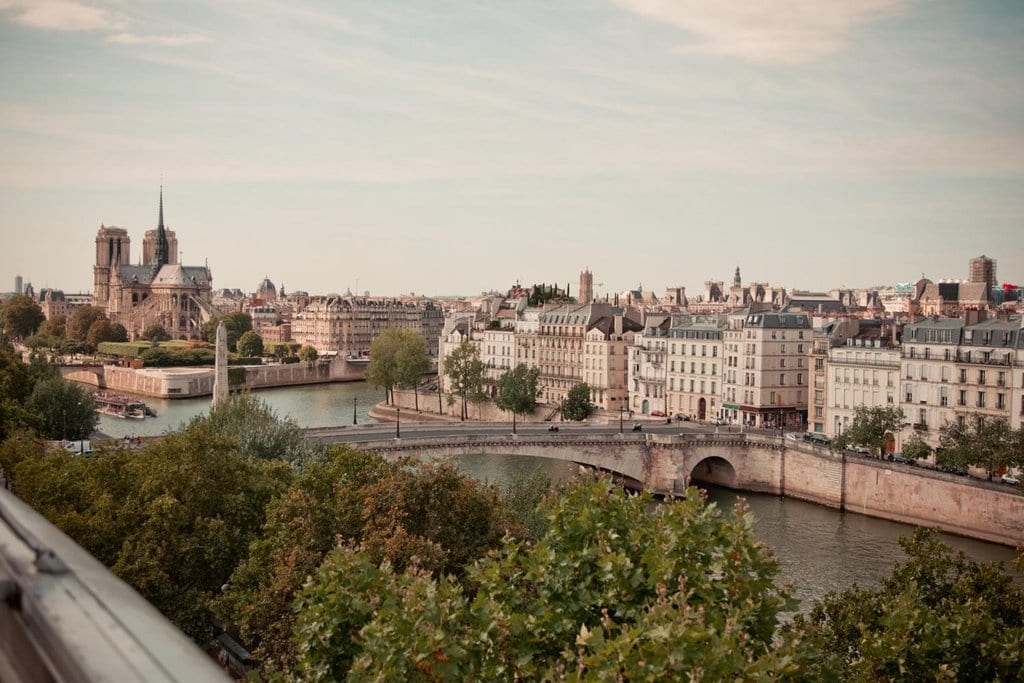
column 667, row 464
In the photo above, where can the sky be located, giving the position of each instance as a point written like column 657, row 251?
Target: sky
column 448, row 147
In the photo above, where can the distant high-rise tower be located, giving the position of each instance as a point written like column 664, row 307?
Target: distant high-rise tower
column 736, row 280
column 983, row 269
column 586, row 286
column 18, row 282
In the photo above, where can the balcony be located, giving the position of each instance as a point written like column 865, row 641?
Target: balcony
column 920, row 427
column 66, row 618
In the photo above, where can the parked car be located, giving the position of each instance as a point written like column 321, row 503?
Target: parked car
column 793, row 436
column 817, row 438
column 1009, row 479
column 716, row 421
column 682, row 418
column 863, row 450
column 657, row 413
column 898, row 457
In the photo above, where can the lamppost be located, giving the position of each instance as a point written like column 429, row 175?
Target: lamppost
column 398, row 422
column 354, row 421
column 621, row 408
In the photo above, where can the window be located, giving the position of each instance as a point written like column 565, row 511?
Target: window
column 962, row 401
column 909, row 393
column 944, row 396
column 800, row 378
column 981, row 399
column 782, row 380
column 981, row 376
column 963, row 375
column 771, row 400
column 1001, row 401
column 945, row 373
column 819, row 412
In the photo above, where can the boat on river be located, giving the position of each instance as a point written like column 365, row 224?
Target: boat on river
column 119, row 405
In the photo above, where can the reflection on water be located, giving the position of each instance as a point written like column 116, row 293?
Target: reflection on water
column 319, row 405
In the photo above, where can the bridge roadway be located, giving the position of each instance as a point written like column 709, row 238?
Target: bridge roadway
column 666, row 458
column 661, row 456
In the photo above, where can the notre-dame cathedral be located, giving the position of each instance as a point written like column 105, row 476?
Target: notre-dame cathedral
column 157, row 291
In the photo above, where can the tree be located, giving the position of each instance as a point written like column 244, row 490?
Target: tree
column 577, row 403
column 411, row 362
column 118, row 333
column 100, row 331
column 55, row 327
column 938, row 616
column 155, row 333
column 172, row 520
column 979, row 441
column 67, row 409
column 21, row 316
column 382, row 370
column 465, row 371
column 308, row 353
column 869, row 428
column 616, row 587
column 915, row 448
column 427, row 514
column 81, row 321
column 236, row 324
column 250, row 344
column 517, row 391
column 259, row 432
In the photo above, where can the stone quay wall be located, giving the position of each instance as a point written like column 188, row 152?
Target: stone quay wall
column 668, row 464
column 192, row 382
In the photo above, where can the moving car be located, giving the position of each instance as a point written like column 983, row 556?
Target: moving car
column 716, row 421
column 1009, row 479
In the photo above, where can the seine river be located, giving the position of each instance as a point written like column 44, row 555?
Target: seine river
column 819, row 549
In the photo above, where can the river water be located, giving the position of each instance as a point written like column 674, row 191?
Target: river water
column 819, row 549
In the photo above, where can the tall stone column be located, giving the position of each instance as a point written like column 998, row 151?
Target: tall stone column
column 220, row 377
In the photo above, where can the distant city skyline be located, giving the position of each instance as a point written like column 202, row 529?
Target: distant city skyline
column 459, row 148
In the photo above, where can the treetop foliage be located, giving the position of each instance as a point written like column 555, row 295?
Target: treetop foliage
column 576, row 405
column 869, row 428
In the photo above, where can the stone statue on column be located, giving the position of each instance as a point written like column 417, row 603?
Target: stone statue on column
column 220, row 377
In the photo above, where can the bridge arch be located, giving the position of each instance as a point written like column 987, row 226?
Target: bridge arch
column 714, row 469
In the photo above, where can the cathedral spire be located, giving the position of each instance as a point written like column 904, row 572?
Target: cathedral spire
column 162, row 248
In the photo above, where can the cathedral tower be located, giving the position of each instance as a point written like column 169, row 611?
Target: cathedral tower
column 586, row 287
column 113, row 248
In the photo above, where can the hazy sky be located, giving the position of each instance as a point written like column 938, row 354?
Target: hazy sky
column 452, row 147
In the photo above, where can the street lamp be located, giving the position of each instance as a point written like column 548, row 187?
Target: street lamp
column 398, row 422
column 621, row 408
column 354, row 421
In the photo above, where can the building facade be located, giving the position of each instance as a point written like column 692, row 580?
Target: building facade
column 348, row 326
column 159, row 291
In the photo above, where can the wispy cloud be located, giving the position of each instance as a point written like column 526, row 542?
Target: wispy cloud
column 771, row 31
column 167, row 40
column 62, row 15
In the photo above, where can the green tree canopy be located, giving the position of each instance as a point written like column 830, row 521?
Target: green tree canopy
column 980, row 441
column 82, row 320
column 308, row 353
column 250, row 344
column 236, row 324
column 156, row 333
column 465, row 372
column 172, row 520
column 617, row 585
column 517, row 391
column 54, row 327
column 21, row 316
column 100, row 331
column 382, row 370
column 576, row 405
column 398, row 357
column 118, row 333
column 869, row 427
column 257, row 430
column 396, row 511
column 67, row 409
column 915, row 448
column 938, row 616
